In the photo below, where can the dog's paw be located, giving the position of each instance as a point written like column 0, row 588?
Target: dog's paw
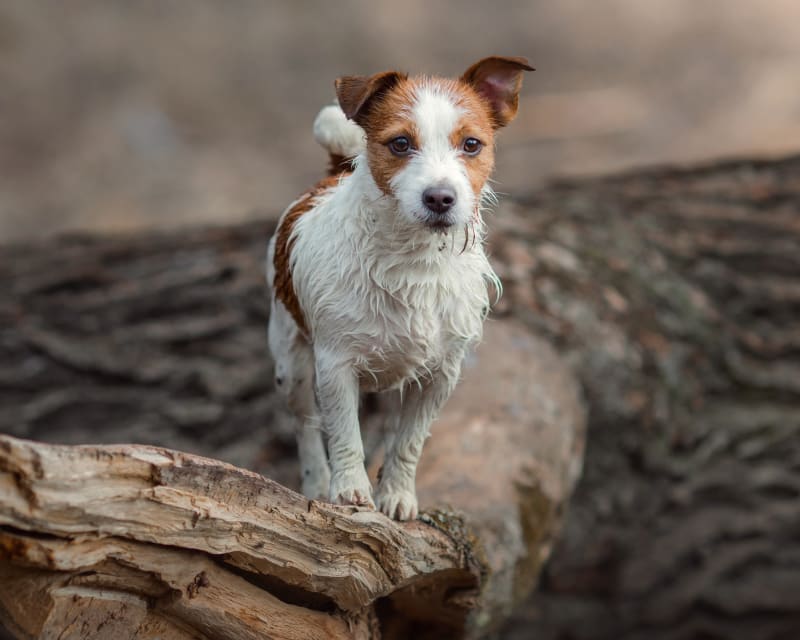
column 398, row 504
column 317, row 483
column 351, row 486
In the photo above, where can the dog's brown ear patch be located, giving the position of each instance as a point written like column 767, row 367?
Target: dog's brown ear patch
column 498, row 80
column 357, row 93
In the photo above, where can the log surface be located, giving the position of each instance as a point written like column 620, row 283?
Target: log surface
column 133, row 533
column 675, row 293
column 672, row 293
column 71, row 509
column 164, row 497
column 161, row 340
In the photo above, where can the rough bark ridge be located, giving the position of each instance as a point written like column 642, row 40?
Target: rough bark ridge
column 127, row 520
column 676, row 295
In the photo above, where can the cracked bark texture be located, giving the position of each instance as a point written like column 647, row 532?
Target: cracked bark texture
column 673, row 293
column 161, row 340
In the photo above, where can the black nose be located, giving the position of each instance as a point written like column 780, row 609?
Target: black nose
column 439, row 199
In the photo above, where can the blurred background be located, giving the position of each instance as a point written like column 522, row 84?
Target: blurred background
column 119, row 116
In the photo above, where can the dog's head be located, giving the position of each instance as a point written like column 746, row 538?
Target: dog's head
column 430, row 141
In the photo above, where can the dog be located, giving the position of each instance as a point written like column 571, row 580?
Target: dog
column 378, row 276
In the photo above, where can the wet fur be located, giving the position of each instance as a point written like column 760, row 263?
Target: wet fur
column 366, row 295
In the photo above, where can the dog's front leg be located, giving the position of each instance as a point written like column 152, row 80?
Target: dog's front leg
column 396, row 495
column 337, row 397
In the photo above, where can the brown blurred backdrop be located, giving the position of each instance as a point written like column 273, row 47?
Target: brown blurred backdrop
column 122, row 115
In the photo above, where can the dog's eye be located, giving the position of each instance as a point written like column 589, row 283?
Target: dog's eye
column 400, row 146
column 472, row 146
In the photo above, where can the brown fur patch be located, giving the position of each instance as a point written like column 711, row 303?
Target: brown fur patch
column 498, row 80
column 338, row 164
column 356, row 94
column 389, row 117
column 488, row 92
column 283, row 284
column 476, row 122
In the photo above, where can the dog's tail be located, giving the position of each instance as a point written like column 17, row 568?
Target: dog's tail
column 342, row 138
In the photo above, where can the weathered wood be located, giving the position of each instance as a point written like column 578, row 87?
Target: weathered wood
column 110, row 587
column 673, row 293
column 167, row 498
column 128, row 516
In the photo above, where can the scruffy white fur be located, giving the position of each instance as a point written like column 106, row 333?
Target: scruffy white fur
column 390, row 306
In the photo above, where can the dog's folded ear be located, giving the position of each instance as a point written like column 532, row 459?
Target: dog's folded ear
column 498, row 80
column 357, row 93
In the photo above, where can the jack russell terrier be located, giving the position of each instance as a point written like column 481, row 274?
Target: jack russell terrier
column 378, row 276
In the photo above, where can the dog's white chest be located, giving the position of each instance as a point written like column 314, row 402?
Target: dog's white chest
column 408, row 332
column 401, row 345
column 395, row 303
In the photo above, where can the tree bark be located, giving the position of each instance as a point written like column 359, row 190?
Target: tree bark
column 675, row 293
column 161, row 340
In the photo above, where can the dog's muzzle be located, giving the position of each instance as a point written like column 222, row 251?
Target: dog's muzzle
column 438, row 201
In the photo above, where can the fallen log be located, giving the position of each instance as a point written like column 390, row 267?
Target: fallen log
column 671, row 292
column 143, row 538
column 674, row 293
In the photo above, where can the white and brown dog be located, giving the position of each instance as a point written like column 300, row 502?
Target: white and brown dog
column 379, row 278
